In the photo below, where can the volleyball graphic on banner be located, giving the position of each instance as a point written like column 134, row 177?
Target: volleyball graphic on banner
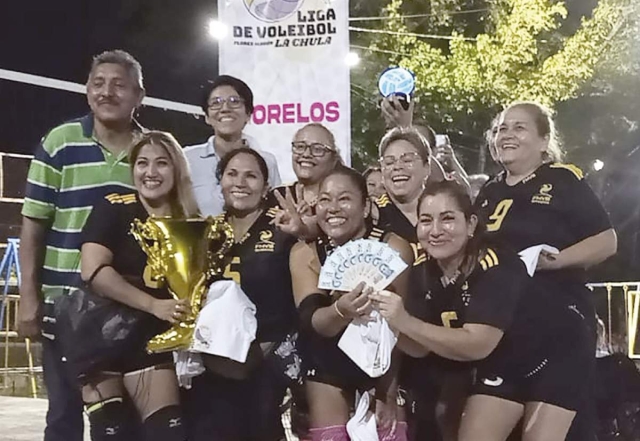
column 396, row 80
column 272, row 10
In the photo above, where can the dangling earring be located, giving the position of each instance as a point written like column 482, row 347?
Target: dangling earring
column 470, row 235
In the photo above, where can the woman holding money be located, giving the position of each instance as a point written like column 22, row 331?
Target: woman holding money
column 482, row 310
column 343, row 210
column 114, row 266
column 241, row 401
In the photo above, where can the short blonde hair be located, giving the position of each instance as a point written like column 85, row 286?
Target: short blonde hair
column 410, row 134
column 183, row 201
column 546, row 128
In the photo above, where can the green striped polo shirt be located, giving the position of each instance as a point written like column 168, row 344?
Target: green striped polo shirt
column 69, row 173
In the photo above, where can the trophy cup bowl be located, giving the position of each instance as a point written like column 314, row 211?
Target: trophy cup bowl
column 185, row 254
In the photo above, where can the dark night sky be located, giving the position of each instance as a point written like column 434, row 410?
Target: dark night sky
column 57, row 39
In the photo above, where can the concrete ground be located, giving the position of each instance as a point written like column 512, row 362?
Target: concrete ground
column 22, row 419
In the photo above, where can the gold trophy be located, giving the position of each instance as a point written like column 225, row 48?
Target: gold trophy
column 186, row 254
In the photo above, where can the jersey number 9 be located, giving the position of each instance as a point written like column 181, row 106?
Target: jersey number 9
column 499, row 214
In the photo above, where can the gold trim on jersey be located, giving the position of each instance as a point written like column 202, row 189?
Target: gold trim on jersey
column 577, row 172
column 376, row 233
column 116, row 198
column 489, row 260
column 419, row 255
column 383, row 201
column 271, row 212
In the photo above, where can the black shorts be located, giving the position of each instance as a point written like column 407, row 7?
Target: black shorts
column 137, row 358
column 219, row 409
column 562, row 375
column 324, row 362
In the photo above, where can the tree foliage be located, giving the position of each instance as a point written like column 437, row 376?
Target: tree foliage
column 512, row 50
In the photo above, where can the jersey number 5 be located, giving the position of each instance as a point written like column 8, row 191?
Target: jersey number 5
column 229, row 271
column 447, row 317
column 499, row 214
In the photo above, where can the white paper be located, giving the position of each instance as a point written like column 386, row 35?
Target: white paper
column 226, row 325
column 362, row 426
column 369, row 344
column 188, row 365
column 531, row 255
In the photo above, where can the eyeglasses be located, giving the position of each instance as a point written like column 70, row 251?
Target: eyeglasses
column 407, row 159
column 234, row 102
column 317, row 149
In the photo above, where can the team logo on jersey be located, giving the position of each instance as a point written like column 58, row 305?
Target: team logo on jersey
column 466, row 295
column 265, row 244
column 543, row 196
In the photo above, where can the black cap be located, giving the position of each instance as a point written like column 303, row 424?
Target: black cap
column 243, row 90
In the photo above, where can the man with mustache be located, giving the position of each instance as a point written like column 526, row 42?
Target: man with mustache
column 227, row 103
column 75, row 166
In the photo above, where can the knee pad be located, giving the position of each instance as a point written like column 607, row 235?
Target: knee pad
column 109, row 420
column 165, row 424
column 331, row 433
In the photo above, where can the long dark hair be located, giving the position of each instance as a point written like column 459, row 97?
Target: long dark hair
column 476, row 245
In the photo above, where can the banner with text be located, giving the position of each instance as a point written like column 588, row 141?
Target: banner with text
column 292, row 55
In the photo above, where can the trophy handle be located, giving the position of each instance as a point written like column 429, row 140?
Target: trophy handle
column 143, row 233
column 218, row 228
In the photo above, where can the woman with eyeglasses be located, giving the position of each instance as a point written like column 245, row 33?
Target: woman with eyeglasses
column 227, row 103
column 314, row 156
column 405, row 157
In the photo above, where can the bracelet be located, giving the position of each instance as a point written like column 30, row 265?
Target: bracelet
column 335, row 306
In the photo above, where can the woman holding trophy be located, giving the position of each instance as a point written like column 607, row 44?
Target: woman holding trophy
column 115, row 267
column 242, row 401
column 332, row 378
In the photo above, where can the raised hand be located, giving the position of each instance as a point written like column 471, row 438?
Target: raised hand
column 394, row 114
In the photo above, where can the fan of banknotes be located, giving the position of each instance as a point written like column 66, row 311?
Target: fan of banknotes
column 362, row 260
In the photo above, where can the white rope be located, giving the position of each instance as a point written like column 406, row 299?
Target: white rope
column 52, row 83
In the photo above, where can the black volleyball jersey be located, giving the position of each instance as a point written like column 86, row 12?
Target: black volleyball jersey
column 392, row 219
column 553, row 206
column 323, row 360
column 260, row 264
column 498, row 293
column 109, row 225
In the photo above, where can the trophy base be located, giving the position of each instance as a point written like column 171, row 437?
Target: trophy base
column 174, row 339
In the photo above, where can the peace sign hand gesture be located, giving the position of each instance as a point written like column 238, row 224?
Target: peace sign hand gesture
column 294, row 217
